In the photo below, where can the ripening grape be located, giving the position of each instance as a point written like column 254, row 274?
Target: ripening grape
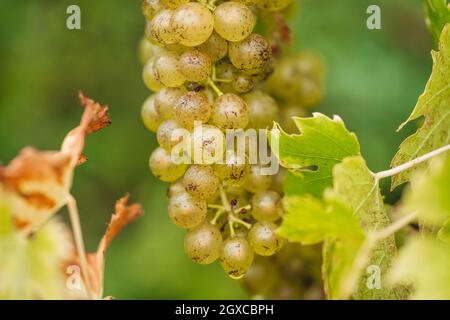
column 264, row 239
column 192, row 106
column 173, row 3
column 234, row 170
column 165, row 100
column 192, row 23
column 150, row 77
column 195, row 66
column 237, row 257
column 252, row 55
column 208, row 144
column 263, row 110
column 256, row 182
column 150, row 8
column 233, row 21
column 175, row 188
column 229, row 111
column 243, row 83
column 185, row 211
column 163, row 167
column 167, row 135
column 148, row 50
column 167, row 70
column 273, row 5
column 201, row 182
column 225, row 71
column 266, row 206
column 159, row 29
column 215, row 47
column 149, row 115
column 203, row 244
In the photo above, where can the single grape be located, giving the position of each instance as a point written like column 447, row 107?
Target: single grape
column 175, row 188
column 163, row 167
column 235, row 191
column 191, row 107
column 264, row 238
column 230, row 112
column 203, row 244
column 256, row 182
column 243, row 83
column 263, row 110
column 208, row 145
column 173, row 3
column 167, row 70
column 165, row 101
column 273, row 5
column 159, row 29
column 149, row 76
column 233, row 21
column 234, row 170
column 215, row 47
column 185, row 211
column 150, row 8
column 261, row 276
column 167, row 136
column 148, row 50
column 237, row 257
column 193, row 24
column 150, row 117
column 195, row 66
column 227, row 72
column 266, row 206
column 201, row 182
column 252, row 55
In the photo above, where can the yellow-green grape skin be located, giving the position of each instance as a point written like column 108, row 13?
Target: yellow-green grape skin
column 234, row 170
column 201, row 182
column 148, row 50
column 266, row 206
column 264, row 238
column 236, row 257
column 251, row 55
column 225, row 71
column 262, row 108
column 193, row 24
column 173, row 3
column 235, row 191
column 195, row 66
column 209, row 143
column 185, row 211
column 278, row 180
column 165, row 100
column 286, row 117
column 175, row 188
column 150, row 8
column 150, row 77
column 247, row 2
column 233, row 21
column 203, row 244
column 163, row 167
column 167, row 70
column 215, row 47
column 230, row 112
column 166, row 134
column 149, row 116
column 243, row 83
column 159, row 29
column 261, row 276
column 192, row 106
column 273, row 5
column 256, row 182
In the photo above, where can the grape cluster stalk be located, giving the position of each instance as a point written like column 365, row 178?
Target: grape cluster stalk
column 210, row 71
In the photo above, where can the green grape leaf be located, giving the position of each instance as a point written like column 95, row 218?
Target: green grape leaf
column 434, row 106
column 424, row 263
column 438, row 14
column 311, row 155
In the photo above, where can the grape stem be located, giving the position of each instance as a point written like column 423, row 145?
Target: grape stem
column 232, row 219
column 217, row 216
column 213, row 86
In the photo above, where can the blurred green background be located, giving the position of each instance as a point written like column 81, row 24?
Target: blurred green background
column 373, row 81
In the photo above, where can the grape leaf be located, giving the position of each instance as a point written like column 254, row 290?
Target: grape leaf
column 425, row 263
column 322, row 143
column 438, row 14
column 434, row 106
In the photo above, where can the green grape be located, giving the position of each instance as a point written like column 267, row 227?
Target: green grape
column 185, row 211
column 237, row 257
column 193, row 24
column 286, row 115
column 175, row 188
column 273, row 5
column 192, row 106
column 263, row 110
column 149, row 76
column 311, row 92
column 243, row 83
column 225, row 71
column 256, row 182
column 167, row 70
column 235, row 190
column 159, row 29
column 201, row 182
column 264, row 238
column 261, row 276
column 203, row 244
column 163, row 167
column 195, row 66
column 208, row 144
column 165, row 101
column 150, row 117
column 278, row 180
column 233, row 21
column 150, row 8
column 266, row 206
column 252, row 55
column 215, row 47
column 229, row 111
column 148, row 50
column 234, row 170
column 167, row 136
column 173, row 3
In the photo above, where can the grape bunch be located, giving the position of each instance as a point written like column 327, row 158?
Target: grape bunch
column 207, row 68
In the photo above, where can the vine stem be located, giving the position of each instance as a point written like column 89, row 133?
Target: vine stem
column 364, row 252
column 410, row 164
column 214, row 87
